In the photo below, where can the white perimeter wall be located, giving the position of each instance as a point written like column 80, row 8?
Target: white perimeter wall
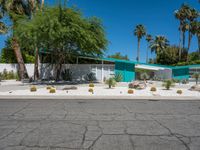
column 78, row 71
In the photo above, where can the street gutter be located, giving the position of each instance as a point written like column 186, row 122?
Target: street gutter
column 93, row 97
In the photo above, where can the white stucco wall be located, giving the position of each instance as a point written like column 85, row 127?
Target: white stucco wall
column 78, row 71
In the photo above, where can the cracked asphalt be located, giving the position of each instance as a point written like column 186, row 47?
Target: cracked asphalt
column 99, row 125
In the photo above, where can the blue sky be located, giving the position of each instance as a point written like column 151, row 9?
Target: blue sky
column 119, row 18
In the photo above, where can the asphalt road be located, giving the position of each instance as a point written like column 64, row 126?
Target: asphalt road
column 99, row 125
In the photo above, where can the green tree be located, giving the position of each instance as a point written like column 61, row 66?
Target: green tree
column 139, row 32
column 63, row 33
column 17, row 9
column 194, row 56
column 158, row 45
column 170, row 56
column 149, row 38
column 118, row 55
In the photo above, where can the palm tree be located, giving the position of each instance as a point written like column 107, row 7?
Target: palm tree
column 191, row 15
column 158, row 45
column 149, row 38
column 140, row 32
column 181, row 16
column 17, row 9
column 195, row 30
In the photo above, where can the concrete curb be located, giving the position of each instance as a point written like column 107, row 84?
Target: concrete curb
column 153, row 98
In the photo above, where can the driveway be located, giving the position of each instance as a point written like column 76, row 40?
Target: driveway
column 99, row 125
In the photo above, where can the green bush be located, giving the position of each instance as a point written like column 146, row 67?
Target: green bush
column 184, row 81
column 90, row 77
column 144, row 76
column 48, row 87
column 118, row 77
column 91, row 90
column 8, row 75
column 91, row 85
column 111, row 82
column 66, row 75
column 176, row 80
column 168, row 84
column 1, row 76
column 52, row 90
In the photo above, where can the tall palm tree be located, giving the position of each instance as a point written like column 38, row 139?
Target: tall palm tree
column 181, row 16
column 17, row 9
column 195, row 30
column 139, row 32
column 149, row 38
column 158, row 45
column 192, row 15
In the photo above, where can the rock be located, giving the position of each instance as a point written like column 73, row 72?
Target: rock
column 137, row 85
column 70, row 88
column 195, row 88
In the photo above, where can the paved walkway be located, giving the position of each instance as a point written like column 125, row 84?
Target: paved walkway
column 99, row 125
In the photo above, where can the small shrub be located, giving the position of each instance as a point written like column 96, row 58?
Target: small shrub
column 168, row 84
column 90, row 77
column 66, row 75
column 130, row 91
column 111, row 82
column 144, row 76
column 176, row 80
column 33, row 89
column 185, row 81
column 196, row 76
column 118, row 77
column 153, row 89
column 91, row 85
column 52, row 90
column 49, row 87
column 91, row 90
column 179, row 92
column 1, row 77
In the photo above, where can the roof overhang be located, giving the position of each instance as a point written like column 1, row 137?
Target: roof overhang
column 150, row 67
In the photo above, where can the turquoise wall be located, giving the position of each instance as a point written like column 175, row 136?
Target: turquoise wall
column 127, row 70
column 180, row 73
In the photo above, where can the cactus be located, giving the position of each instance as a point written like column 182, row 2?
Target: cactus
column 153, row 89
column 33, row 89
column 130, row 91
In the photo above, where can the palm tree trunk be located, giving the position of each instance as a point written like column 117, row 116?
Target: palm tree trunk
column 183, row 46
column 42, row 4
column 180, row 40
column 189, row 42
column 36, row 71
column 199, row 45
column 147, row 54
column 22, row 68
column 138, row 51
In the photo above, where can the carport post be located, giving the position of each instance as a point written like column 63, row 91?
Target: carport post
column 102, row 71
